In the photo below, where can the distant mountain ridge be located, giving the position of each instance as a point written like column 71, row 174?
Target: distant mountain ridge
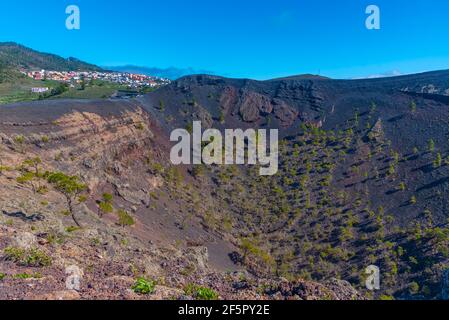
column 14, row 56
column 171, row 73
column 306, row 76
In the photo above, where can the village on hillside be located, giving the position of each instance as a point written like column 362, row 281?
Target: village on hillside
column 133, row 81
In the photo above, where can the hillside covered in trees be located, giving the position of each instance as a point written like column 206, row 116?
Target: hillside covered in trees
column 363, row 180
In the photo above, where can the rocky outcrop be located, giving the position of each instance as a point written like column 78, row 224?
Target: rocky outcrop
column 309, row 290
column 228, row 99
column 376, row 132
column 253, row 106
column 24, row 240
column 201, row 114
column 284, row 113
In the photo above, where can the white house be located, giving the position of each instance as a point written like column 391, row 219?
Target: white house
column 39, row 90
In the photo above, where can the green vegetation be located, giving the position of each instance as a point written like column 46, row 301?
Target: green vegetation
column 413, row 107
column 315, row 216
column 144, row 286
column 438, row 161
column 25, row 276
column 198, row 170
column 139, row 126
column 15, row 86
column 30, row 174
column 70, row 188
column 95, row 90
column 221, row 117
column 125, row 219
column 72, row 229
column 431, row 145
column 200, row 293
column 306, row 221
column 30, row 258
column 174, row 175
column 15, row 56
column 18, row 88
column 106, row 206
column 189, row 128
column 413, row 288
column 27, row 178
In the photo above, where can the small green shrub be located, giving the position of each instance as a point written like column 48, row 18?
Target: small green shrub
column 200, row 293
column 157, row 168
column 125, row 219
column 19, row 139
column 14, row 254
column 203, row 293
column 27, row 276
column 30, row 258
column 107, row 197
column 413, row 288
column 105, row 207
column 144, row 286
column 139, row 126
column 72, row 229
column 37, row 258
column 22, row 276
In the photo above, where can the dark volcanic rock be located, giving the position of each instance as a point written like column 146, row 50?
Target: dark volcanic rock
column 286, row 114
column 253, row 105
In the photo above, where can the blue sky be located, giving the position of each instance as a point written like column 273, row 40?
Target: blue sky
column 240, row 38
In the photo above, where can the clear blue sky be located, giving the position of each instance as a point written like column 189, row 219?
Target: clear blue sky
column 240, row 38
